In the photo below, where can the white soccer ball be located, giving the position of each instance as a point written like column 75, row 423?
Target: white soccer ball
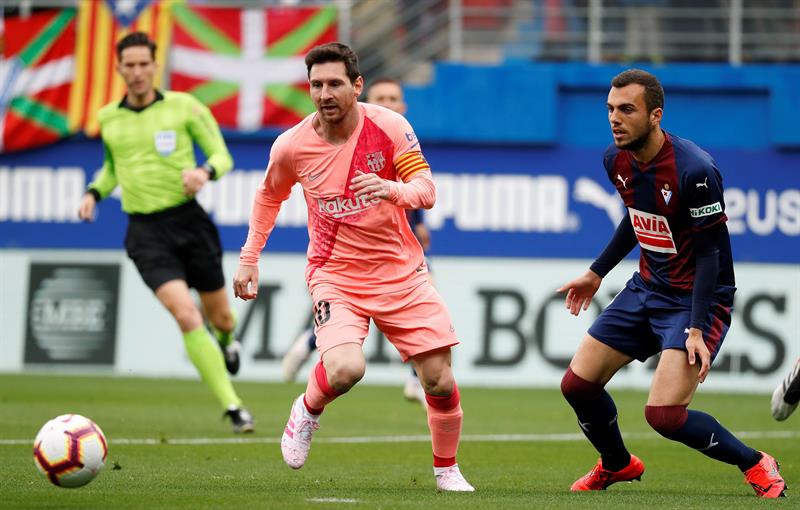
column 70, row 450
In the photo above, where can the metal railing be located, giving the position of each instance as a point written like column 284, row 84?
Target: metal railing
column 414, row 33
column 401, row 38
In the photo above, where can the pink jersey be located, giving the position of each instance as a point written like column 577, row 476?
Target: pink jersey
column 355, row 244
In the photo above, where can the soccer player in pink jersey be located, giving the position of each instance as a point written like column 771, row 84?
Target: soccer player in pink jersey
column 360, row 167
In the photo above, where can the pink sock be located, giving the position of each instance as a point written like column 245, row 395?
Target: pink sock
column 444, row 420
column 319, row 392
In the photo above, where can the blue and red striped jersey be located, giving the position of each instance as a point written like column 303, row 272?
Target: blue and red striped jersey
column 677, row 193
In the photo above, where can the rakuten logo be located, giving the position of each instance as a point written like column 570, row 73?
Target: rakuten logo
column 341, row 206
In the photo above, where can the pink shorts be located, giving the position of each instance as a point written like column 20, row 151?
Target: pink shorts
column 414, row 320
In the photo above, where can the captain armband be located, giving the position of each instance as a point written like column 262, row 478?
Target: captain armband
column 410, row 164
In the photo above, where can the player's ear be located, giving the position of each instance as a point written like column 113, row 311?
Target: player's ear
column 358, row 85
column 655, row 115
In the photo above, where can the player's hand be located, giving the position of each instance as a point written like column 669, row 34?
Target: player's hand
column 580, row 291
column 696, row 347
column 245, row 282
column 87, row 207
column 423, row 236
column 193, row 180
column 371, row 186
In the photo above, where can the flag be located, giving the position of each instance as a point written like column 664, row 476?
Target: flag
column 35, row 78
column 247, row 64
column 100, row 24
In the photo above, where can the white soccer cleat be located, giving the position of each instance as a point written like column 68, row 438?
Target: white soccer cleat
column 413, row 391
column 296, row 439
column 787, row 395
column 450, row 479
column 297, row 354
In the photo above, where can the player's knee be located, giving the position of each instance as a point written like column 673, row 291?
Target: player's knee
column 221, row 318
column 187, row 317
column 344, row 376
column 576, row 389
column 666, row 419
column 441, row 383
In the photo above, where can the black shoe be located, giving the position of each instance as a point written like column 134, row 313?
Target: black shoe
column 241, row 419
column 231, row 354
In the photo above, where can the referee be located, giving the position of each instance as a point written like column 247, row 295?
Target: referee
column 148, row 151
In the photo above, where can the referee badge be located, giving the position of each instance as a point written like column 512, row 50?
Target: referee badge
column 166, row 141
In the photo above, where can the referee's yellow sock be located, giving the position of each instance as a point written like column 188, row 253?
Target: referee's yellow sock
column 206, row 356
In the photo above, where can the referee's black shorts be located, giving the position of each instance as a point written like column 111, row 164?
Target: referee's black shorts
column 180, row 243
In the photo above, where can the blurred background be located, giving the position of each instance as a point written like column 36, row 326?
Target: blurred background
column 508, row 100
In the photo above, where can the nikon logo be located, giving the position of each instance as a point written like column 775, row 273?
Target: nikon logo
column 706, row 210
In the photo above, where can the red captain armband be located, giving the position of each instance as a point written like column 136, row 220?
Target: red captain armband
column 409, row 164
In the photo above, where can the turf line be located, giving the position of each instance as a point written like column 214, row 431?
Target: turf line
column 493, row 438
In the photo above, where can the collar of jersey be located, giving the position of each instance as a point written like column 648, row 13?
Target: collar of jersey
column 124, row 103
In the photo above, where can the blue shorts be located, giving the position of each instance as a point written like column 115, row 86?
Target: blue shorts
column 643, row 320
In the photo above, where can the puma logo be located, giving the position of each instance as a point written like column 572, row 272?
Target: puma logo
column 623, row 181
column 703, row 184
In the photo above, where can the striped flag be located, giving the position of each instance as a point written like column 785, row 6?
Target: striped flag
column 247, row 64
column 35, row 78
column 100, row 24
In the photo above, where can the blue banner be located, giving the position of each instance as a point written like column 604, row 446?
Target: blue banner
column 492, row 201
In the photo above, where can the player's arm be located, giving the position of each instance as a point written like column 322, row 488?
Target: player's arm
column 581, row 290
column 204, row 130
column 415, row 190
column 620, row 245
column 270, row 194
column 99, row 188
column 707, row 218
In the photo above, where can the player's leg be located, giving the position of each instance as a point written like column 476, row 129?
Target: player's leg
column 412, row 389
column 205, row 356
column 583, row 386
column 153, row 245
column 445, row 417
column 787, row 394
column 340, row 332
column 617, row 336
column 674, row 384
column 300, row 350
column 222, row 322
column 418, row 324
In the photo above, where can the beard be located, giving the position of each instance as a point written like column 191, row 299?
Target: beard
column 637, row 143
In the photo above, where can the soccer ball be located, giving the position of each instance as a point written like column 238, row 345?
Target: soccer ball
column 70, row 450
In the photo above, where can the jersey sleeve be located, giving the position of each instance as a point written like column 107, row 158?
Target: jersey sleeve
column 106, row 179
column 703, row 189
column 402, row 135
column 270, row 194
column 205, row 131
column 609, row 157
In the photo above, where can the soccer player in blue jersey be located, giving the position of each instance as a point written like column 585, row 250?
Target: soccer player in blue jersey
column 678, row 304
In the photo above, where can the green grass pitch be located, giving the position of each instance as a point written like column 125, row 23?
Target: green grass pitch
column 521, row 450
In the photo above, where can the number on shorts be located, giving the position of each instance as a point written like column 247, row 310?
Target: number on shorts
column 322, row 312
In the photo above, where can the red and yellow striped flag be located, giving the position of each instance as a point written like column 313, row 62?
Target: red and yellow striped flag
column 100, row 25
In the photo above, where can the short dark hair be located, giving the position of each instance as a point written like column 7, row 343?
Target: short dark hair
column 384, row 79
column 653, row 92
column 334, row 52
column 136, row 39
